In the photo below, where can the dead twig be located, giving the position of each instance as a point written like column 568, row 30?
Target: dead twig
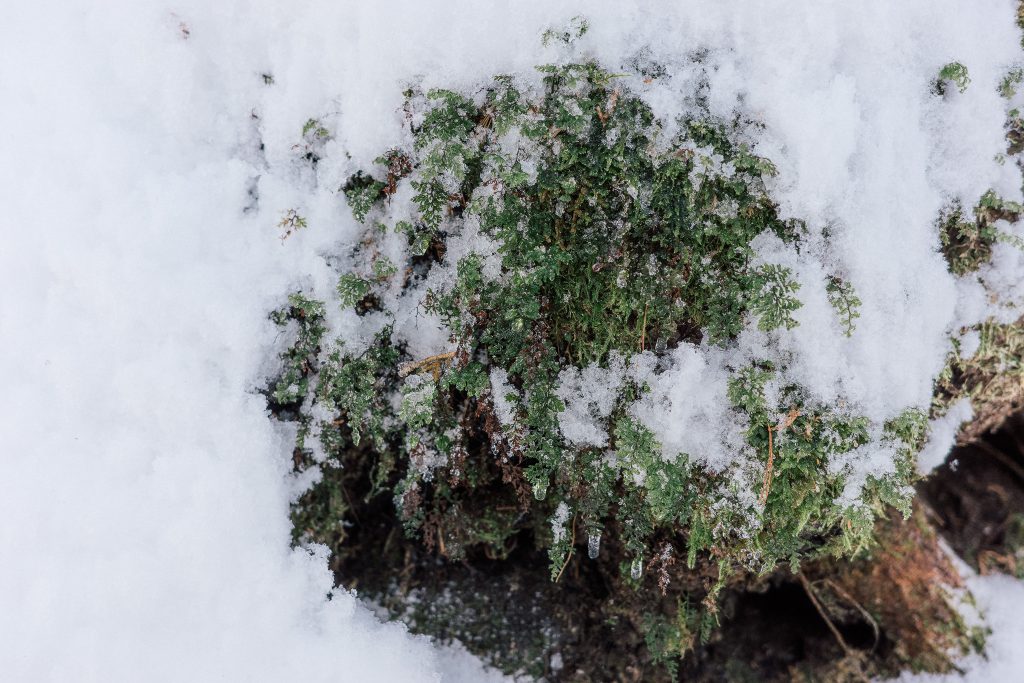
column 643, row 329
column 785, row 423
column 766, row 485
column 604, row 115
column 788, row 420
column 850, row 652
column 572, row 549
column 432, row 364
column 842, row 592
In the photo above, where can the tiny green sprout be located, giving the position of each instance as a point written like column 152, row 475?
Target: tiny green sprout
column 845, row 301
column 418, row 235
column 955, row 73
column 578, row 27
column 308, row 315
column 1008, row 86
column 352, row 289
column 313, row 129
column 383, row 268
column 362, row 192
column 775, row 302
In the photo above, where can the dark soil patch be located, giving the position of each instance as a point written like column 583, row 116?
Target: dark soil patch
column 592, row 625
column 976, row 499
column 775, row 635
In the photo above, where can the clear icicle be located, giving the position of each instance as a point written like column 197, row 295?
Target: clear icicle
column 637, row 568
column 594, row 545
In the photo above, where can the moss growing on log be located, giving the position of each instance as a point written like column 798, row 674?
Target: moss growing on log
column 562, row 234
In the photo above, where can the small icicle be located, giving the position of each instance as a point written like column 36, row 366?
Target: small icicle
column 540, row 491
column 594, row 545
column 637, row 568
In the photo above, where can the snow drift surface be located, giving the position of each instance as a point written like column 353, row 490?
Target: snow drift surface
column 143, row 491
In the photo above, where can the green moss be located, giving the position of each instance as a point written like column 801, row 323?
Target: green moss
column 1013, row 78
column 843, row 298
column 1014, row 544
column 616, row 233
column 967, row 242
column 298, row 360
column 992, row 378
column 955, row 73
column 669, row 639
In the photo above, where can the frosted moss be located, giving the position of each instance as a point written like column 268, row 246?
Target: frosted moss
column 590, row 266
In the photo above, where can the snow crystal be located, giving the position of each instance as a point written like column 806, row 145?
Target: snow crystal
column 500, row 392
column 873, row 459
column 589, row 396
column 942, row 433
column 687, row 407
column 147, row 162
column 970, row 342
column 558, row 520
column 1002, row 275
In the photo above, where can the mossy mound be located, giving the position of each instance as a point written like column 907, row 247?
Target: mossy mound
column 516, row 487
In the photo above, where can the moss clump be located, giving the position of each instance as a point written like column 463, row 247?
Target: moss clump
column 593, row 237
column 992, row 377
column 967, row 241
column 953, row 73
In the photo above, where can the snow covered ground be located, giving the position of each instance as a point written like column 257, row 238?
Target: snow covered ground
column 144, row 532
column 143, row 491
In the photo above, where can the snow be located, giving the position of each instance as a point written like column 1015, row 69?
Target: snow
column 970, row 342
column 942, row 435
column 1000, row 599
column 558, row 520
column 144, row 492
column 501, row 390
column 1002, row 274
column 685, row 405
column 589, row 396
column 857, row 465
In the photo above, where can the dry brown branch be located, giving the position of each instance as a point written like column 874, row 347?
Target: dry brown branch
column 767, row 484
column 431, row 364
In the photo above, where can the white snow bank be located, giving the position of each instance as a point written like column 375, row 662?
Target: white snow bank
column 942, row 435
column 1001, row 600
column 143, row 492
column 144, row 529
